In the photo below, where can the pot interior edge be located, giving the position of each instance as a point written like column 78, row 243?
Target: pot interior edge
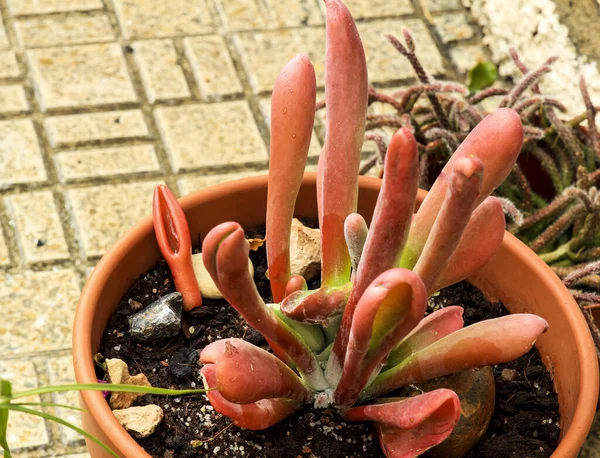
column 245, row 202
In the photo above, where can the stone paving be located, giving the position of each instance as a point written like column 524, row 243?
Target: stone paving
column 101, row 100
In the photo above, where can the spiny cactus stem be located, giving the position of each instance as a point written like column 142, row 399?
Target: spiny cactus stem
column 486, row 93
column 574, row 152
column 380, row 141
column 364, row 169
column 531, row 78
column 556, row 229
column 593, row 328
column 375, row 96
column 524, row 186
column 421, row 74
column 378, row 121
column 555, row 206
column 591, row 116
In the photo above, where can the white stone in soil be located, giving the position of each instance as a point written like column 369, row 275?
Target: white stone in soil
column 141, row 421
column 305, row 250
column 208, row 289
column 118, row 373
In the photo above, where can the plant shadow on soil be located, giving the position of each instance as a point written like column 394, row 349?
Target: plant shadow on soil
column 524, row 424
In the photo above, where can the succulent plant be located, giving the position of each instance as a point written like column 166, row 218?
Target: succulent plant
column 363, row 333
column 552, row 193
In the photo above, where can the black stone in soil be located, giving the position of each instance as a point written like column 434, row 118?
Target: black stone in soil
column 525, row 422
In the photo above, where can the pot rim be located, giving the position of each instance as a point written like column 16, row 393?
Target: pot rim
column 82, row 327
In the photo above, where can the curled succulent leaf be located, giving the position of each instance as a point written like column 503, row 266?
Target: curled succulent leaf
column 316, row 307
column 173, row 237
column 388, row 310
column 409, row 427
column 257, row 415
column 225, row 255
column 246, row 373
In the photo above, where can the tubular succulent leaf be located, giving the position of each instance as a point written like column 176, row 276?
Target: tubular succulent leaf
column 292, row 118
column 346, row 90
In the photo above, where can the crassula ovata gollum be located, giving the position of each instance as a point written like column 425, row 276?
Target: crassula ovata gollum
column 363, row 333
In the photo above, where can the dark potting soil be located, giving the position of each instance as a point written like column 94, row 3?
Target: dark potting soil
column 524, row 424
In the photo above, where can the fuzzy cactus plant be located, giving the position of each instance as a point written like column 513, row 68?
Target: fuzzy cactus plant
column 363, row 333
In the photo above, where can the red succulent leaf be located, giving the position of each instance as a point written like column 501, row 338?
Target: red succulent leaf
column 485, row 343
column 388, row 232
column 388, row 310
column 246, row 373
column 346, row 93
column 294, row 284
column 409, row 427
column 430, row 329
column 496, row 141
column 173, row 237
column 225, row 255
column 355, row 233
column 316, row 307
column 471, row 254
column 464, row 184
column 257, row 415
column 292, row 119
column 210, row 246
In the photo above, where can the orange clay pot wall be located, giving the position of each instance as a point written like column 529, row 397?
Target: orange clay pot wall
column 515, row 275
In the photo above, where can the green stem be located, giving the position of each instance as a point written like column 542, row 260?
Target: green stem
column 556, row 255
column 60, row 421
column 47, row 404
column 104, row 387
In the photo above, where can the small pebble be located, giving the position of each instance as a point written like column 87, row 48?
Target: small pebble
column 508, row 375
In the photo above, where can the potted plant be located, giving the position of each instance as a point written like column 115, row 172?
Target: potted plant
column 370, row 319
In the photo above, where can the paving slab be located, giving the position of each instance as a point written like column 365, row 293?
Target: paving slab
column 37, row 310
column 80, row 76
column 20, row 154
column 38, row 227
column 208, row 135
column 102, row 214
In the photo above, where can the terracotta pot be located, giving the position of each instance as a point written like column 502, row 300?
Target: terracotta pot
column 515, row 275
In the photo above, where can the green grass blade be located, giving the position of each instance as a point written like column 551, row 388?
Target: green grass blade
column 5, row 396
column 104, row 387
column 46, row 404
column 60, row 421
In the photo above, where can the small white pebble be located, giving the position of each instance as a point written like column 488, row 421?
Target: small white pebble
column 217, row 450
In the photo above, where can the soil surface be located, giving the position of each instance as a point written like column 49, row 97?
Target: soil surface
column 525, row 422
